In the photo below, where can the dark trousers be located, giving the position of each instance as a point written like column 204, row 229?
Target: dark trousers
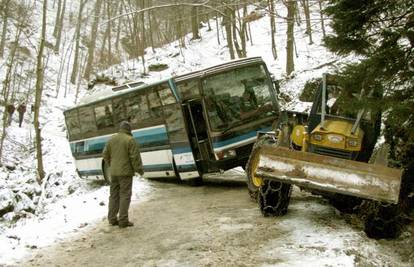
column 119, row 199
column 20, row 119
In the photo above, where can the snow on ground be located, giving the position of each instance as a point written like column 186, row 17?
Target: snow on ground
column 65, row 218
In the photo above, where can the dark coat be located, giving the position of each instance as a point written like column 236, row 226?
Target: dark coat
column 122, row 154
column 10, row 108
column 21, row 108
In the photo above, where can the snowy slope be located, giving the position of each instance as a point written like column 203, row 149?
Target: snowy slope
column 35, row 211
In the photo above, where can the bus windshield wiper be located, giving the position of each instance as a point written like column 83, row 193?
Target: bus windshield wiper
column 233, row 125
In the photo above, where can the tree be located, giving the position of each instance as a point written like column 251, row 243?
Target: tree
column 4, row 12
column 290, row 37
column 38, row 97
column 75, row 66
column 92, row 41
column 381, row 33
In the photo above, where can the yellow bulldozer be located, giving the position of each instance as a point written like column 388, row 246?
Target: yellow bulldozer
column 328, row 152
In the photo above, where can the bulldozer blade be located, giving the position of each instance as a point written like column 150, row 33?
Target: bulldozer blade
column 329, row 174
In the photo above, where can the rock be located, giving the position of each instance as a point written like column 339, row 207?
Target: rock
column 24, row 203
column 7, row 201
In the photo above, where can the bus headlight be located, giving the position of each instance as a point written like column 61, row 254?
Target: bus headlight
column 353, row 142
column 317, row 137
column 225, row 154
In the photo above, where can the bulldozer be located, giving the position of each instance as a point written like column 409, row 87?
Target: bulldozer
column 329, row 152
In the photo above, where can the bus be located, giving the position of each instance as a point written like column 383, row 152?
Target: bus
column 186, row 126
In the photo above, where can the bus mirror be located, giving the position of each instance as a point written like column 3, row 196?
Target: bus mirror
column 276, row 85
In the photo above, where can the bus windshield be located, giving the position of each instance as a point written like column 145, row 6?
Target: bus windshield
column 238, row 95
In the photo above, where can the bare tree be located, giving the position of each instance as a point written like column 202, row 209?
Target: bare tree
column 59, row 28
column 4, row 12
column 38, row 97
column 290, row 64
column 305, row 4
column 6, row 86
column 92, row 41
column 271, row 6
column 322, row 19
column 75, row 66
column 195, row 22
column 228, row 27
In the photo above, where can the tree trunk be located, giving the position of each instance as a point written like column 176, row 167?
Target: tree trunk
column 6, row 90
column 194, row 23
column 59, row 28
column 305, row 4
column 5, row 15
column 271, row 6
column 290, row 65
column 92, row 44
column 77, row 41
column 58, row 14
column 322, row 19
column 227, row 26
column 38, row 97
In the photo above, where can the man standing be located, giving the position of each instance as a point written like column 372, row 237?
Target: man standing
column 10, row 109
column 21, row 109
column 121, row 153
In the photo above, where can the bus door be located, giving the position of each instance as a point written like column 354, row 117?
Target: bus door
column 197, row 130
column 180, row 145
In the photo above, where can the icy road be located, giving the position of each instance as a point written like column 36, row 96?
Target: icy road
column 218, row 225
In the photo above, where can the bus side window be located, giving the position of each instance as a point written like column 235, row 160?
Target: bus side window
column 88, row 120
column 119, row 110
column 167, row 97
column 103, row 115
column 155, row 104
column 73, row 123
column 137, row 109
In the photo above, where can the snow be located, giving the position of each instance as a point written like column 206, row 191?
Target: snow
column 65, row 218
column 64, row 205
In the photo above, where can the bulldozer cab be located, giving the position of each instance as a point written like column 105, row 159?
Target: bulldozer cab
column 339, row 125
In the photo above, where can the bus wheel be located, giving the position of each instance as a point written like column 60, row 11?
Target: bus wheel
column 198, row 181
column 274, row 198
column 106, row 173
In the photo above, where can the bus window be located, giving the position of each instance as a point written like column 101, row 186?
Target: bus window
column 155, row 104
column 88, row 120
column 119, row 110
column 188, row 89
column 137, row 108
column 103, row 114
column 73, row 123
column 166, row 96
column 237, row 95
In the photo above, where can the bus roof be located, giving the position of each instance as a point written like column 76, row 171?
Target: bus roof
column 116, row 91
column 218, row 68
column 132, row 86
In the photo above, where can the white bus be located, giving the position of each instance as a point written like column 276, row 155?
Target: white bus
column 186, row 126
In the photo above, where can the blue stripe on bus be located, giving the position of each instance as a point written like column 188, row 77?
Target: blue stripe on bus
column 181, row 150
column 239, row 138
column 145, row 138
column 187, row 168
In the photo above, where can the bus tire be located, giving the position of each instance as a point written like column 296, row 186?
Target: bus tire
column 198, row 181
column 106, row 172
column 274, row 198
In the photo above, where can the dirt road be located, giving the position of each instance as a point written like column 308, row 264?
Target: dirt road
column 218, row 225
